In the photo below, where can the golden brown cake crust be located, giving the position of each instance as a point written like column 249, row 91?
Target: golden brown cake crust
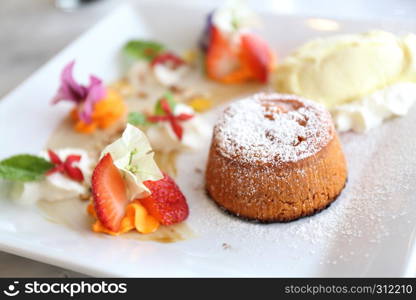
column 277, row 189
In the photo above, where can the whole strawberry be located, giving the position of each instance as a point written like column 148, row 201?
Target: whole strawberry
column 166, row 203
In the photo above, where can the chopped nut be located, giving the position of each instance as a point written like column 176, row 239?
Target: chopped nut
column 176, row 89
column 122, row 86
column 190, row 56
column 142, row 94
column 85, row 197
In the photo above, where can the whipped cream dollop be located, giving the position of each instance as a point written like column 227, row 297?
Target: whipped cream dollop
column 370, row 111
column 56, row 186
column 195, row 130
column 133, row 156
column 168, row 76
column 142, row 75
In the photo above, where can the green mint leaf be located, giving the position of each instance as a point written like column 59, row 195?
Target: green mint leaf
column 24, row 167
column 137, row 119
column 171, row 101
column 143, row 50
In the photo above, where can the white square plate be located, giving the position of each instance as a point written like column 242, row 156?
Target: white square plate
column 369, row 231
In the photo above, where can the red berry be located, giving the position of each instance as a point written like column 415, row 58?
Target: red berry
column 54, row 157
column 220, row 59
column 166, row 58
column 257, row 55
column 72, row 172
column 109, row 193
column 166, row 203
column 65, row 167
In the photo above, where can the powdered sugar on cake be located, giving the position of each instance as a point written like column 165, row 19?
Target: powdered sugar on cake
column 373, row 215
column 273, row 128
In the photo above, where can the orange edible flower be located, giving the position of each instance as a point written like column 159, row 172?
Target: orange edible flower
column 136, row 218
column 105, row 113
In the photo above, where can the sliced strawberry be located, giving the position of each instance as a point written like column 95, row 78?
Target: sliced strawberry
column 65, row 167
column 221, row 60
column 168, row 58
column 168, row 116
column 166, row 203
column 57, row 169
column 72, row 172
column 54, row 157
column 257, row 54
column 225, row 63
column 109, row 193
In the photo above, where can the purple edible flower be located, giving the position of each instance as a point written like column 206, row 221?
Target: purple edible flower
column 204, row 40
column 70, row 90
column 86, row 96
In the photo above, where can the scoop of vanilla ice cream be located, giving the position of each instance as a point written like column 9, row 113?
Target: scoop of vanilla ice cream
column 344, row 68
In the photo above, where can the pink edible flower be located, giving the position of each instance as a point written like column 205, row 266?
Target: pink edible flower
column 95, row 92
column 84, row 96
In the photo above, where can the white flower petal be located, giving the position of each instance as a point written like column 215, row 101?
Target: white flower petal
column 133, row 156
